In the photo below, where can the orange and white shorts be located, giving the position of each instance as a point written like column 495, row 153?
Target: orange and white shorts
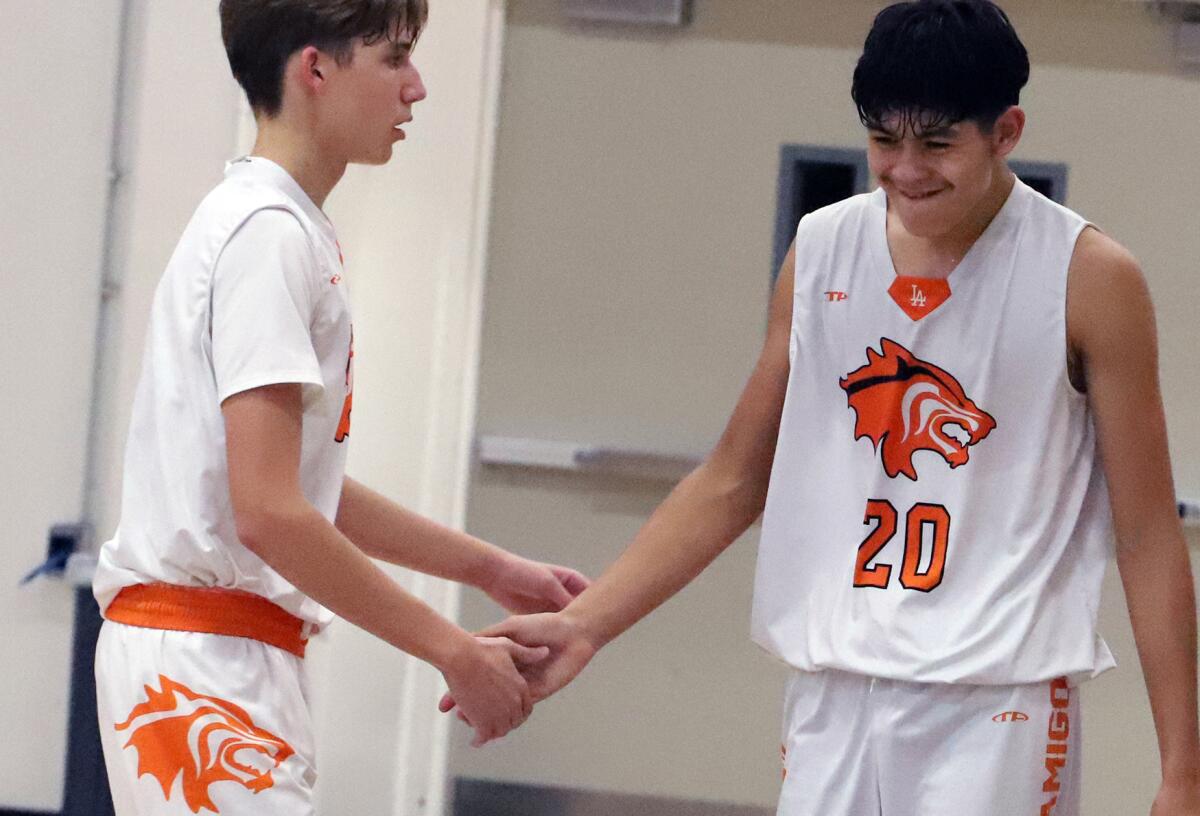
column 196, row 722
column 861, row 746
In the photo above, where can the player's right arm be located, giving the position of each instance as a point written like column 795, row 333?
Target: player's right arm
column 276, row 522
column 702, row 516
column 266, row 287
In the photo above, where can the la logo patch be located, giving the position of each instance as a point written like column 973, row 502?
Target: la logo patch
column 904, row 404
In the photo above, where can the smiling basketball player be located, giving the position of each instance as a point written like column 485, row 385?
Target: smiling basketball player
column 949, row 360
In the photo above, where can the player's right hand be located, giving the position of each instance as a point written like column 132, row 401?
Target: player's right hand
column 492, row 696
column 570, row 649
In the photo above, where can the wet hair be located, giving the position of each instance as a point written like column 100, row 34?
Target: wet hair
column 261, row 35
column 933, row 63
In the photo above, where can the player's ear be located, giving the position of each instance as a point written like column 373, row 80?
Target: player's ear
column 307, row 67
column 1006, row 133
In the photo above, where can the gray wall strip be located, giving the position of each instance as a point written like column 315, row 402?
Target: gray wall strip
column 482, row 797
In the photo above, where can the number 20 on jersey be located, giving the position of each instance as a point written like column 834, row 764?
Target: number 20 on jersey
column 923, row 523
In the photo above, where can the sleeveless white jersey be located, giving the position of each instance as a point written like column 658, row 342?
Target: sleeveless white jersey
column 937, row 512
column 253, row 295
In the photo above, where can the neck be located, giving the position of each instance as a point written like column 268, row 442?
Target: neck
column 296, row 151
column 968, row 232
column 959, row 239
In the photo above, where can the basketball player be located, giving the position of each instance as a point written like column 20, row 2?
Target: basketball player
column 240, row 536
column 948, row 361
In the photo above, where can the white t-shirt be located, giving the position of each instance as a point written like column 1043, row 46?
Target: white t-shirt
column 253, row 295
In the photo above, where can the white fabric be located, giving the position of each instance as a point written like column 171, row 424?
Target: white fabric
column 858, row 746
column 1029, row 526
column 252, row 296
column 186, row 709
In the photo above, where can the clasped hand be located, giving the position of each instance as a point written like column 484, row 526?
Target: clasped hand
column 495, row 685
column 562, row 650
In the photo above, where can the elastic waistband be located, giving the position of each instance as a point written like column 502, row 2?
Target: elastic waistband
column 210, row 610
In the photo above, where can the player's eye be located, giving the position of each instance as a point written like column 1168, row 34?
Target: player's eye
column 399, row 57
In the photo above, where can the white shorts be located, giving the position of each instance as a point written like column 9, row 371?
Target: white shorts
column 197, row 723
column 860, row 746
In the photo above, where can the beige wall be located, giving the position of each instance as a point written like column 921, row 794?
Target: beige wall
column 1086, row 24
column 634, row 213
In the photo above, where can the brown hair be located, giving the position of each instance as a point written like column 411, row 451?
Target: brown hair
column 261, row 35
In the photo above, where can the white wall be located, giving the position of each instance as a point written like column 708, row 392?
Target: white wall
column 627, row 292
column 57, row 127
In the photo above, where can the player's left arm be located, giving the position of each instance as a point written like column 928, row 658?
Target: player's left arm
column 1113, row 342
column 383, row 529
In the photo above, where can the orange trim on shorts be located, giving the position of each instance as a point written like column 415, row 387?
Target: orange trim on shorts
column 211, row 610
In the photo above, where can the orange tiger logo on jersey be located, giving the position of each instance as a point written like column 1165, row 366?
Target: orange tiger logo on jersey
column 904, row 404
column 206, row 740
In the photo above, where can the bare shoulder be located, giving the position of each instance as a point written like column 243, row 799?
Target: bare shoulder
column 1110, row 317
column 1105, row 288
column 1102, row 263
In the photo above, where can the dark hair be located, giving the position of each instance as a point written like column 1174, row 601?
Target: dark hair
column 937, row 62
column 261, row 35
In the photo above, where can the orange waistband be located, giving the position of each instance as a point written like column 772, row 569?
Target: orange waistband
column 211, row 610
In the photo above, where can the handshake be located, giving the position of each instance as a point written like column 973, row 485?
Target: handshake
column 498, row 675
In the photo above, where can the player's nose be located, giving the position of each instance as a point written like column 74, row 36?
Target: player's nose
column 908, row 166
column 414, row 91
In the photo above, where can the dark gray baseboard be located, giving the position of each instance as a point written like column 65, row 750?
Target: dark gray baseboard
column 482, row 797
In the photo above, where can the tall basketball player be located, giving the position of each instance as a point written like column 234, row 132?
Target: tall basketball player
column 240, row 534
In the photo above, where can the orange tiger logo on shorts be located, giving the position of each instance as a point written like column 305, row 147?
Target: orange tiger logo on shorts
column 179, row 732
column 904, row 404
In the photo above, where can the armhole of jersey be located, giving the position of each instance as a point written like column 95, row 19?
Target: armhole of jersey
column 793, row 332
column 1079, row 230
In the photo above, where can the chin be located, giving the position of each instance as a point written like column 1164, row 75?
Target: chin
column 925, row 224
column 931, row 221
column 382, row 156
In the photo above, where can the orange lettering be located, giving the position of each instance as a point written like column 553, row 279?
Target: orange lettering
column 1057, row 732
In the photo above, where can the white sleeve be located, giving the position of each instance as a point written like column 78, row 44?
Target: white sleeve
column 262, row 307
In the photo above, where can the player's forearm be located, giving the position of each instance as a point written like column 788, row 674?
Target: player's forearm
column 703, row 515
column 1156, row 574
column 383, row 529
column 302, row 546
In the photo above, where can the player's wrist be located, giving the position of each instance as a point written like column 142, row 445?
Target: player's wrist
column 585, row 628
column 455, row 655
column 1182, row 770
column 489, row 567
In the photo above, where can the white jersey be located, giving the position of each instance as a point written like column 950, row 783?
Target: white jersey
column 937, row 512
column 252, row 296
